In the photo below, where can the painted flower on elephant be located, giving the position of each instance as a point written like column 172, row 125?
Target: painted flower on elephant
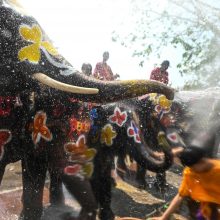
column 81, row 156
column 133, row 131
column 32, row 52
column 6, row 104
column 175, row 138
column 118, row 117
column 108, row 134
column 5, row 137
column 93, row 114
column 40, row 130
column 161, row 103
column 79, row 127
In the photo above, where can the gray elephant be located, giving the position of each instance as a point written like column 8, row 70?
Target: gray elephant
column 27, row 58
column 191, row 119
column 87, row 133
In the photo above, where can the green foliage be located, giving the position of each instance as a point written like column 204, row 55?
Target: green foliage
column 190, row 26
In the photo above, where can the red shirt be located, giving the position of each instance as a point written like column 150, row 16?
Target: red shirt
column 103, row 71
column 158, row 75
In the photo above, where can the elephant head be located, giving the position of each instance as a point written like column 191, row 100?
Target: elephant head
column 191, row 119
column 28, row 56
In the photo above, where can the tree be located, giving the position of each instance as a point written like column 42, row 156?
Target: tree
column 191, row 26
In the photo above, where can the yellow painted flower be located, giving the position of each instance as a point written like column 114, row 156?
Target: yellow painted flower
column 87, row 169
column 161, row 100
column 32, row 51
column 164, row 102
column 153, row 98
column 108, row 134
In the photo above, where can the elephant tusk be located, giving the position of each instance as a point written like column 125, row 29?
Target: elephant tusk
column 46, row 80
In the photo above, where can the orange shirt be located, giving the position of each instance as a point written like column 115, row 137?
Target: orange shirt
column 202, row 187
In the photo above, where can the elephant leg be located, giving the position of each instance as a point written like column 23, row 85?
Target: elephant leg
column 82, row 191
column 56, row 160
column 2, row 171
column 56, row 190
column 140, row 176
column 160, row 182
column 101, row 184
column 34, row 174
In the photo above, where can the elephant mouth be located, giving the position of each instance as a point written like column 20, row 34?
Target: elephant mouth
column 46, row 80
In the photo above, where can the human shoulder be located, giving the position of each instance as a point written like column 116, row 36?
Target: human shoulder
column 156, row 69
column 215, row 163
column 99, row 64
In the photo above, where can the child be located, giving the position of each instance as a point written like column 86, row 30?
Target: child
column 201, row 180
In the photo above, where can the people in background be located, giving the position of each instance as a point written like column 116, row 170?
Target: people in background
column 201, row 178
column 160, row 73
column 103, row 71
column 86, row 69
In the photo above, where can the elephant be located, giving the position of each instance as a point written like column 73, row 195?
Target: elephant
column 28, row 59
column 190, row 119
column 100, row 132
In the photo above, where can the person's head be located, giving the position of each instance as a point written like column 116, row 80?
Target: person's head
column 86, row 69
column 105, row 56
column 164, row 65
column 191, row 155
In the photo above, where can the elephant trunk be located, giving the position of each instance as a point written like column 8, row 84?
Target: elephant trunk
column 150, row 160
column 111, row 91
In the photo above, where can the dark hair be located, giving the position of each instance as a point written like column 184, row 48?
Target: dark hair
column 191, row 155
column 86, row 68
column 166, row 63
column 105, row 52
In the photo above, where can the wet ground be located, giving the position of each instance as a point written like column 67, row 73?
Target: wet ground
column 128, row 200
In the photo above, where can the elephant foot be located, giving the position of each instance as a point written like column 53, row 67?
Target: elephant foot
column 31, row 213
column 160, row 182
column 161, row 186
column 85, row 215
column 141, row 182
column 106, row 214
column 113, row 182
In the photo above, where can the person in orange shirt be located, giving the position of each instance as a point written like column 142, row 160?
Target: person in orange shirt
column 201, row 180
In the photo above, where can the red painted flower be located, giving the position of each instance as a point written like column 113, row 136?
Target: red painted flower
column 133, row 131
column 73, row 170
column 174, row 137
column 118, row 117
column 79, row 127
column 40, row 129
column 81, row 156
column 5, row 137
